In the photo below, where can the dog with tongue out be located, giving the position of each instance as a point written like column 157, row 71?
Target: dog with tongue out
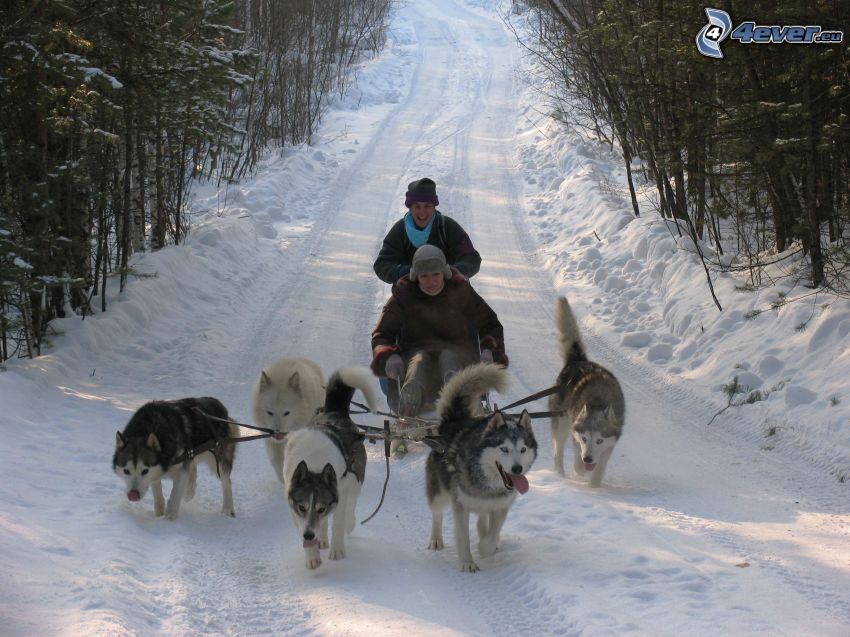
column 482, row 465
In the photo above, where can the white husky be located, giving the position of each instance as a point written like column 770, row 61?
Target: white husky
column 287, row 395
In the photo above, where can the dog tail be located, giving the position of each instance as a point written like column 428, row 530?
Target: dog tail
column 461, row 395
column 342, row 385
column 569, row 337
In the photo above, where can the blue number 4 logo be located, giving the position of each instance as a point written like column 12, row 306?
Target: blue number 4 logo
column 712, row 34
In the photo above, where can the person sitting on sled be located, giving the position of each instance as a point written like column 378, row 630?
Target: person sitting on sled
column 432, row 326
column 424, row 224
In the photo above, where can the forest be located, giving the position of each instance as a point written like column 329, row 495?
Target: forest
column 112, row 109
column 755, row 143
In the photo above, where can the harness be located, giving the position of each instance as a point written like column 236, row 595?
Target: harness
column 333, row 433
column 216, row 444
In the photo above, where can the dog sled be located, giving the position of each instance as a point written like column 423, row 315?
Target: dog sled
column 425, row 429
column 400, row 429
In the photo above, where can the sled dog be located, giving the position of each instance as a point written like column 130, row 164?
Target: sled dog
column 324, row 466
column 287, row 395
column 156, row 437
column 482, row 465
column 591, row 401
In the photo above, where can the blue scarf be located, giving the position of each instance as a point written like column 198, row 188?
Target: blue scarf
column 417, row 237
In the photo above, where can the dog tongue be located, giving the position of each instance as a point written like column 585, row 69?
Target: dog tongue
column 310, row 543
column 589, row 466
column 520, row 482
column 133, row 496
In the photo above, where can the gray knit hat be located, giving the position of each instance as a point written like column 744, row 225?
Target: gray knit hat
column 429, row 259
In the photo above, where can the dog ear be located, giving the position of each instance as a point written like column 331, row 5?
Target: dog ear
column 119, row 440
column 610, row 416
column 496, row 420
column 329, row 475
column 525, row 421
column 295, row 383
column 153, row 443
column 582, row 415
column 265, row 381
column 301, row 471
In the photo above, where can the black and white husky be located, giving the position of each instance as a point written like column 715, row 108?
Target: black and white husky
column 483, row 463
column 591, row 401
column 154, row 443
column 324, row 466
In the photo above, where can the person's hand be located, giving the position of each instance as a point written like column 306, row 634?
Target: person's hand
column 456, row 270
column 401, row 270
column 486, row 356
column 394, row 367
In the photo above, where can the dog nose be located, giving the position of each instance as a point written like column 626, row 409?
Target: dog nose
column 588, row 459
column 516, row 469
column 309, row 536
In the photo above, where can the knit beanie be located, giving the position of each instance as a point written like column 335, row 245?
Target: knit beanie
column 424, row 190
column 429, row 259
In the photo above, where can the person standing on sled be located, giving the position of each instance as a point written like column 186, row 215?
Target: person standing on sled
column 423, row 225
column 432, row 326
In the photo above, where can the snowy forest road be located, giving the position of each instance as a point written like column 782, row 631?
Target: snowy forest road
column 693, row 532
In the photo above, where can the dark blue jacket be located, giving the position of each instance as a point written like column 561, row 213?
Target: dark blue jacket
column 396, row 253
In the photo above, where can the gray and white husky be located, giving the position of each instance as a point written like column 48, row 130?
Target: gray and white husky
column 482, row 465
column 287, row 395
column 591, row 401
column 324, row 466
column 153, row 445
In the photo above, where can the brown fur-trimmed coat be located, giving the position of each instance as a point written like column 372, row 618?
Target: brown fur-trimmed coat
column 412, row 321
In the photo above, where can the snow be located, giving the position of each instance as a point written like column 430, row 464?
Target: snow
column 738, row 527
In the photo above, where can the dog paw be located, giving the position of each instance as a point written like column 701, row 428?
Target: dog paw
column 312, row 559
column 171, row 515
column 229, row 513
column 436, row 545
column 159, row 512
column 336, row 554
column 487, row 548
column 323, row 544
column 469, row 567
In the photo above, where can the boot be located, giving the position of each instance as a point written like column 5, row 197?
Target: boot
column 410, row 400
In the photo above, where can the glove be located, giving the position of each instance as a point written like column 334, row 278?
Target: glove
column 401, row 270
column 486, row 356
column 394, row 367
